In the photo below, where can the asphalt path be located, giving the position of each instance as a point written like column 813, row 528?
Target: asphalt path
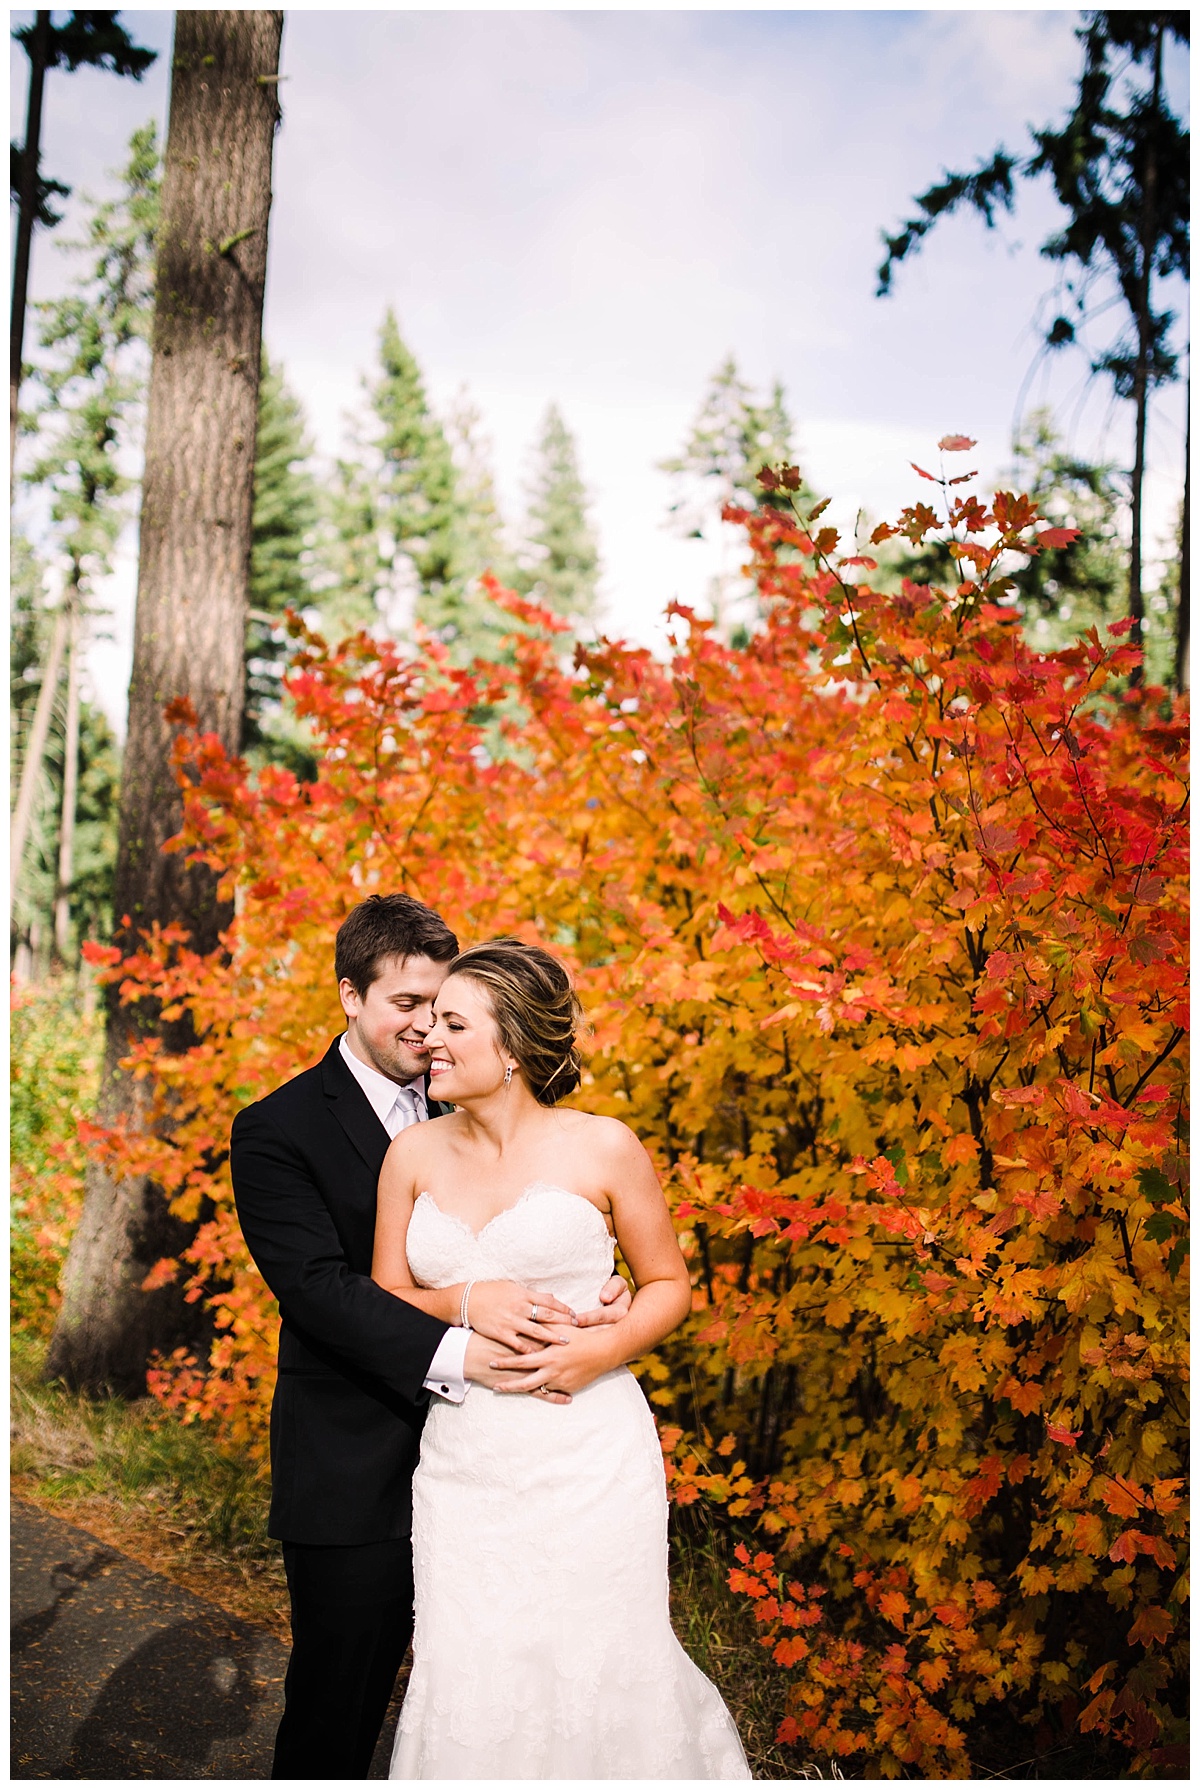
column 119, row 1673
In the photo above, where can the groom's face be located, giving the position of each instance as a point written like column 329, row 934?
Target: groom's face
column 386, row 1027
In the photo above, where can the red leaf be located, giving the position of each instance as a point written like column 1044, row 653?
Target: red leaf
column 181, row 712
column 1068, row 1438
column 923, row 473
column 956, row 444
column 1057, row 537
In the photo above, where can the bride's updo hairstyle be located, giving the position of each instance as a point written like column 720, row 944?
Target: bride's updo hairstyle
column 535, row 1008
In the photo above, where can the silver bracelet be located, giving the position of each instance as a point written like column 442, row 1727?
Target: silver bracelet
column 463, row 1319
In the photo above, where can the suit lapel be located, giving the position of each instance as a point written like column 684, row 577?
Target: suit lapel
column 353, row 1111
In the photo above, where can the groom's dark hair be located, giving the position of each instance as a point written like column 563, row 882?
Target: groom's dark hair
column 388, row 926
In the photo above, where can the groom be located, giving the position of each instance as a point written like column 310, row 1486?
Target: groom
column 356, row 1365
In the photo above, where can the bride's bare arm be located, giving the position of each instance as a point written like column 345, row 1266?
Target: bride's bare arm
column 497, row 1309
column 647, row 1238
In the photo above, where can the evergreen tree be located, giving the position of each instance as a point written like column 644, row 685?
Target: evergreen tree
column 734, row 435
column 354, row 573
column 480, row 544
column 419, row 488
column 283, row 534
column 1066, row 589
column 413, row 518
column 1119, row 167
column 562, row 560
column 480, row 538
column 92, row 378
column 91, row 39
column 89, row 894
column 31, row 626
column 395, row 508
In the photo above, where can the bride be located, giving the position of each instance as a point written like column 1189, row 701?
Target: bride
column 543, row 1646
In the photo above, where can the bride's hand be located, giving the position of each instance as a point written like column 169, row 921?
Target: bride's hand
column 550, row 1372
column 484, row 1365
column 512, row 1315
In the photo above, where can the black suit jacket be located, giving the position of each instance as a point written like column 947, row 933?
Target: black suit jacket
column 349, row 1402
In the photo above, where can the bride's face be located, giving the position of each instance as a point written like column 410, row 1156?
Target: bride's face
column 466, row 1060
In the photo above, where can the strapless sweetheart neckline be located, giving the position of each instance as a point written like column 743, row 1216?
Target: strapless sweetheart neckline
column 526, row 1664
column 534, row 1187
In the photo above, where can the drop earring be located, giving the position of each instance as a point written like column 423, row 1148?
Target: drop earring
column 508, row 1075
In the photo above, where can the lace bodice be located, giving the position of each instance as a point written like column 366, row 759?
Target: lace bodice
column 543, row 1645
column 550, row 1240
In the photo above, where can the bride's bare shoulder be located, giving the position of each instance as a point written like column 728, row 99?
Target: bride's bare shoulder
column 417, row 1144
column 610, row 1138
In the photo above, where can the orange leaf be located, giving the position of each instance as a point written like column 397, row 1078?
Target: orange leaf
column 1153, row 1626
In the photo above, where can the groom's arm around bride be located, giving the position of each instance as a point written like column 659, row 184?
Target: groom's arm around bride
column 354, row 1361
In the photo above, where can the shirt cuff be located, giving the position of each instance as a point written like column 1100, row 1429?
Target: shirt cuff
column 447, row 1371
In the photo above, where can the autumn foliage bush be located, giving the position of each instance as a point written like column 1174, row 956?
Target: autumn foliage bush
column 879, row 922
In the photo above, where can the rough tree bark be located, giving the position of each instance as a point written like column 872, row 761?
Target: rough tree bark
column 190, row 627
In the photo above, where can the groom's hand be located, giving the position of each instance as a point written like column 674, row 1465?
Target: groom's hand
column 615, row 1300
column 488, row 1365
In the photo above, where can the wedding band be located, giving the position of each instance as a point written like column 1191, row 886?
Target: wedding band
column 533, row 1312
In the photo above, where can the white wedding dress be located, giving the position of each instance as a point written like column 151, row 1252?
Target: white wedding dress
column 543, row 1647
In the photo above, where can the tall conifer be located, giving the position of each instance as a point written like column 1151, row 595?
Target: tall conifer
column 91, row 374
column 395, row 505
column 734, row 434
column 563, row 559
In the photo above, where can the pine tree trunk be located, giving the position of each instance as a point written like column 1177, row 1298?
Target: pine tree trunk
column 189, row 633
column 70, row 789
column 39, row 53
column 1141, row 378
column 1137, row 602
column 35, row 748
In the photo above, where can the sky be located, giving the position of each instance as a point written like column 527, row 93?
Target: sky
column 596, row 208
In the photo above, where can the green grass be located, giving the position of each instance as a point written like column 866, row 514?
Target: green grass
column 197, row 1509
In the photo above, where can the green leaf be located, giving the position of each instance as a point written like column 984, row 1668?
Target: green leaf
column 1177, row 1256
column 899, row 1166
column 1155, row 1187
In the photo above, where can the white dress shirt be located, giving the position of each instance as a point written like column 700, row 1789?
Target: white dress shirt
column 396, row 1105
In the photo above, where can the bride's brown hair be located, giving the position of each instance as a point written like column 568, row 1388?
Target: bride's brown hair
column 535, row 1008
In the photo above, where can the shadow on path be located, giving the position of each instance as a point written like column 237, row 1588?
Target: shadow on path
column 118, row 1673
